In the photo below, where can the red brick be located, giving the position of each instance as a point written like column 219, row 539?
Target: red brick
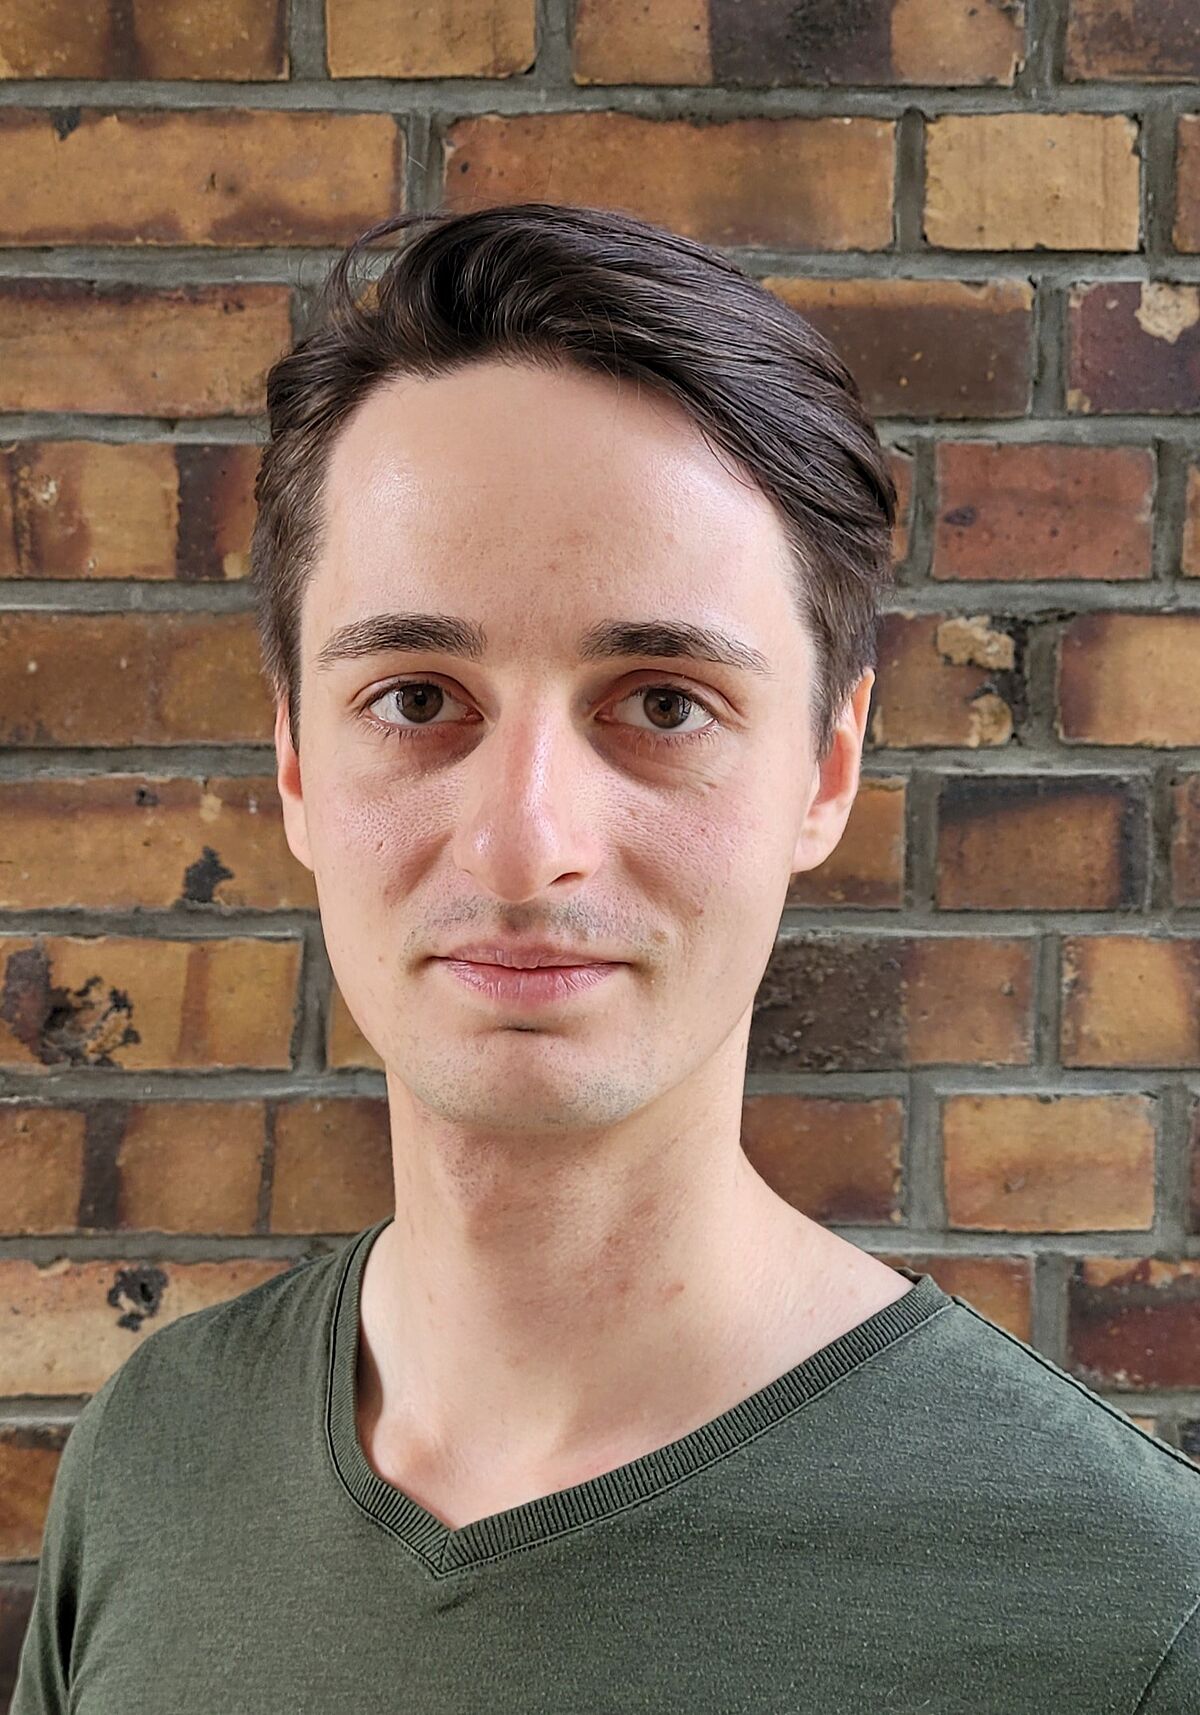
column 131, row 678
column 142, row 1004
column 1134, row 1322
column 1049, row 1164
column 1130, row 1000
column 1134, row 345
column 94, row 509
column 1075, row 843
column 29, row 1455
column 1027, row 181
column 235, row 39
column 943, row 679
column 866, row 867
column 1037, row 511
column 834, row 1160
column 998, row 1287
column 1154, row 41
column 171, row 351
column 1129, row 678
column 227, row 176
column 1191, row 525
column 333, row 1165
column 901, row 466
column 1186, row 232
column 472, row 38
column 1185, row 840
column 810, row 183
column 41, row 1168
column 926, row 348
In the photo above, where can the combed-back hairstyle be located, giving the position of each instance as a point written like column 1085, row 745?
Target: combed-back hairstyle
column 555, row 284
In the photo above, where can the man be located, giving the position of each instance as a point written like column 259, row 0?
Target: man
column 569, row 542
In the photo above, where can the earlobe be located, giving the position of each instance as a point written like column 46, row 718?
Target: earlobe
column 289, row 786
column 837, row 778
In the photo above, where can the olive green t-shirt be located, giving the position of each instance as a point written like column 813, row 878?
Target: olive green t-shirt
column 926, row 1515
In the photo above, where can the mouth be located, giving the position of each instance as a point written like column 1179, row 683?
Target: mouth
column 527, row 986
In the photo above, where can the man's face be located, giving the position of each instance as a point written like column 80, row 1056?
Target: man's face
column 647, row 807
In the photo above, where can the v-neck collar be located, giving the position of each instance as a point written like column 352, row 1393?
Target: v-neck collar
column 445, row 1550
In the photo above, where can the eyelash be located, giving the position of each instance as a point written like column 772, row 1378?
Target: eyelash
column 642, row 738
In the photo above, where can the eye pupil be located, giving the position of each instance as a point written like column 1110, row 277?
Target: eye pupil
column 405, row 694
column 669, row 696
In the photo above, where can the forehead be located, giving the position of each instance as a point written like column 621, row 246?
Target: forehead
column 505, row 483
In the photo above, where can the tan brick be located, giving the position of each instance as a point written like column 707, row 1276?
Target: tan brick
column 1185, row 840
column 1129, row 678
column 1186, row 231
column 1133, row 345
column 186, row 1167
column 333, row 1165
column 834, row 1160
column 815, row 183
column 138, row 840
column 29, row 1455
column 866, row 867
column 1024, row 843
column 1039, row 511
column 177, row 351
column 1190, row 565
column 139, row 1004
column 718, row 42
column 65, row 1327
column 1020, row 181
column 472, row 38
column 901, row 466
column 1154, row 42
column 943, row 679
column 346, row 1045
column 230, row 177
column 1130, row 1000
column 235, row 39
column 863, row 1002
column 1134, row 1322
column 1049, row 1164
column 925, row 348
column 41, row 1168
column 131, row 678
column 93, row 509
column 998, row 1287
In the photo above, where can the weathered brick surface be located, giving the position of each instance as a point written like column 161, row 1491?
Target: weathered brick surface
column 129, row 840
column 900, row 464
column 1134, row 1322
column 1191, row 524
column 720, row 42
column 866, row 867
column 1185, row 840
column 943, row 679
column 171, row 351
column 1129, row 678
column 1019, row 181
column 1186, row 233
column 219, row 177
column 473, row 38
column 1148, row 40
column 842, row 1002
column 130, row 678
column 98, row 509
column 29, row 1455
column 999, row 1287
column 1034, row 843
column 926, row 348
column 124, row 1001
column 1063, row 1164
column 333, row 1166
column 822, row 184
column 235, row 39
column 835, row 1160
column 1130, row 1000
column 68, row 1325
column 1041, row 511
column 42, row 1154
column 1134, row 345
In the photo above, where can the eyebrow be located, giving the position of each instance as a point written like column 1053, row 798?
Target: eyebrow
column 444, row 634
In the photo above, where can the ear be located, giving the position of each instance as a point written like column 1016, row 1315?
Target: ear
column 291, row 792
column 837, row 782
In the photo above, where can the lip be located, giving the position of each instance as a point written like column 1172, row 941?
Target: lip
column 530, row 987
column 534, row 955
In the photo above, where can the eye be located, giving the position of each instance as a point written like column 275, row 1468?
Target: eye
column 418, row 703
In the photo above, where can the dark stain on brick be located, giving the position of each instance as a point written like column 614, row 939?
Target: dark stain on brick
column 1133, row 1332
column 962, row 517
column 1153, row 38
column 124, row 49
column 1116, row 364
column 830, row 1003
column 142, row 1288
column 35, row 1437
column 200, row 879
column 65, row 120
column 72, row 1027
column 144, row 797
column 764, row 43
column 99, row 1194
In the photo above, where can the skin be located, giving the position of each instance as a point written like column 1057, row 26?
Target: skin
column 583, row 1266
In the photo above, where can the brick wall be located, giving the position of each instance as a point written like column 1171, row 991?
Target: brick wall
column 980, row 1053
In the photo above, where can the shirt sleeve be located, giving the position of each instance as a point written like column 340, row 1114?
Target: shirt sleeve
column 1174, row 1687
column 44, row 1665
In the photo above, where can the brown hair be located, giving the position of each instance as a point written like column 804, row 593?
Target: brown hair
column 558, row 283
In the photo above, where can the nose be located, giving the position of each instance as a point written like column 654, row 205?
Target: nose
column 529, row 816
